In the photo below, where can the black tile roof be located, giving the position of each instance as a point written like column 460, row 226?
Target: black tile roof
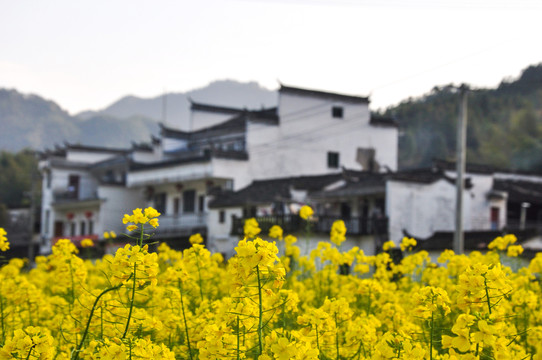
column 190, row 157
column 356, row 183
column 264, row 113
column 323, row 94
column 421, row 175
column 520, row 190
column 481, row 168
column 214, row 108
column 237, row 123
column 96, row 149
column 473, row 240
column 269, row 191
column 377, row 120
column 426, row 176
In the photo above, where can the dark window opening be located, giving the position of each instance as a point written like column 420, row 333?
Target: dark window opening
column 59, row 228
column 494, row 218
column 83, row 227
column 176, row 205
column 221, row 216
column 91, row 227
column 189, row 200
column 332, row 159
column 337, row 112
column 201, row 203
column 72, row 229
column 73, row 186
column 160, row 203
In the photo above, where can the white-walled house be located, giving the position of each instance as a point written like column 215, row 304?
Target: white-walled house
column 377, row 207
column 314, row 147
column 308, row 133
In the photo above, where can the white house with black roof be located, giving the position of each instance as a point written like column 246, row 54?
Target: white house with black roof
column 314, row 147
column 308, row 133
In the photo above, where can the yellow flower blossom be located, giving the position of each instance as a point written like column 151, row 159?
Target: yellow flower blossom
column 195, row 239
column 306, row 212
column 4, row 244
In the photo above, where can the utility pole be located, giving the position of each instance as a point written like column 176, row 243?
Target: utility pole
column 459, row 241
column 164, row 107
column 31, row 219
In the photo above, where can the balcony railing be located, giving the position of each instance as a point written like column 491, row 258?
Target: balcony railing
column 182, row 225
column 320, row 224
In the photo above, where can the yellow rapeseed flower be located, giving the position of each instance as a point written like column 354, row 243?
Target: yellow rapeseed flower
column 196, row 239
column 275, row 232
column 87, row 243
column 306, row 212
column 4, row 244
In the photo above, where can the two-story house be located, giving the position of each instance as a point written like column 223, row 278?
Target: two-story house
column 87, row 189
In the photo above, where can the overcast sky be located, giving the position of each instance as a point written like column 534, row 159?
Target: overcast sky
column 87, row 54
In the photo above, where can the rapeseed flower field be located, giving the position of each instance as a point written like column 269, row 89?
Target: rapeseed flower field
column 266, row 303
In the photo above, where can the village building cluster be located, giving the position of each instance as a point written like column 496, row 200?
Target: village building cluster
column 209, row 173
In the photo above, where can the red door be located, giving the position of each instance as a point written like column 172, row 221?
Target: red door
column 494, row 218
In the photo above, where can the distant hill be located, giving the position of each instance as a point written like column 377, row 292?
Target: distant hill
column 223, row 92
column 504, row 124
column 29, row 121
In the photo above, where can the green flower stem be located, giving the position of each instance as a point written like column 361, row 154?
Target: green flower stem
column 260, row 313
column 487, row 296
column 131, row 303
column 337, row 336
column 2, row 315
column 76, row 352
column 140, row 243
column 199, row 278
column 238, row 337
column 185, row 323
column 431, row 334
column 30, row 352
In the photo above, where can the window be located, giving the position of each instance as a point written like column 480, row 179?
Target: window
column 201, row 203
column 494, row 217
column 82, row 228
column 332, row 159
column 72, row 229
column 73, row 186
column 160, row 203
column 337, row 112
column 91, row 227
column 221, row 216
column 189, row 201
column 176, row 205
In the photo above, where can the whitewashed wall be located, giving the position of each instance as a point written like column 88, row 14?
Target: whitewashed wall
column 306, row 134
column 171, row 144
column 200, row 119
column 88, row 156
column 236, row 170
column 170, row 174
column 422, row 209
column 118, row 201
column 146, row 156
column 218, row 235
